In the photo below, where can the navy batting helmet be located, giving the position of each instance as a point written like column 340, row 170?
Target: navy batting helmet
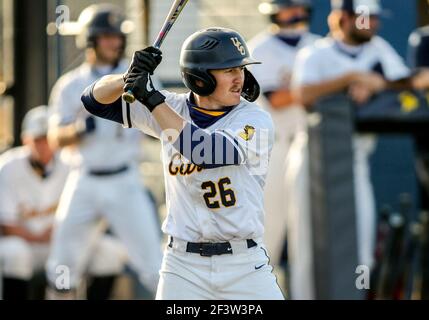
column 211, row 49
column 100, row 19
column 273, row 7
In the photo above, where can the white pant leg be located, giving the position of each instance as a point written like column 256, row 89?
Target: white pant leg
column 247, row 276
column 40, row 254
column 364, row 200
column 76, row 229
column 16, row 258
column 274, row 202
column 132, row 216
column 108, row 257
column 184, row 276
column 300, row 249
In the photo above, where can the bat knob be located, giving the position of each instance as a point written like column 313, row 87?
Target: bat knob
column 128, row 97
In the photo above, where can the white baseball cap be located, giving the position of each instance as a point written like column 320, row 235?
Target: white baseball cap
column 358, row 6
column 35, row 123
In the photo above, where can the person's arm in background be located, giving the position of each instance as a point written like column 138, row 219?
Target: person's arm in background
column 64, row 128
column 399, row 76
column 10, row 211
column 418, row 57
column 23, row 233
column 281, row 97
column 274, row 86
column 360, row 87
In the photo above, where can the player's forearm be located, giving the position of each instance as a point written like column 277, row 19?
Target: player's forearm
column 108, row 89
column 20, row 232
column 281, row 99
column 64, row 136
column 309, row 94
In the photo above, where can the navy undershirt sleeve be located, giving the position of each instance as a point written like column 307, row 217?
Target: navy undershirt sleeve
column 111, row 111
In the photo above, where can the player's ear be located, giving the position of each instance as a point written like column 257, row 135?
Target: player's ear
column 336, row 21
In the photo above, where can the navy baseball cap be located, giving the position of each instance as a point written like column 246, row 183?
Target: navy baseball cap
column 373, row 7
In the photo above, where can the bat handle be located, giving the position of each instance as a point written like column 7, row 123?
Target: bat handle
column 128, row 97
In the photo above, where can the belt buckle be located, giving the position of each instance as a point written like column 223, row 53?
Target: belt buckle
column 207, row 249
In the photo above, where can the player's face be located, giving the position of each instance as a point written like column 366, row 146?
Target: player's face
column 229, row 84
column 361, row 31
column 40, row 149
column 293, row 17
column 109, row 48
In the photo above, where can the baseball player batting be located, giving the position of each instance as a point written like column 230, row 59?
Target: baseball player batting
column 216, row 146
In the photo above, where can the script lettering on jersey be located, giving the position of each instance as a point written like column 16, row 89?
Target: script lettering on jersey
column 178, row 166
column 28, row 214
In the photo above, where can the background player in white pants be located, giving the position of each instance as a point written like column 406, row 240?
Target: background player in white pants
column 216, row 147
column 105, row 180
column 352, row 58
column 31, row 180
column 276, row 48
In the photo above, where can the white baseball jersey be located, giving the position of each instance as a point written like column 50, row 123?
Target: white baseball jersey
column 278, row 59
column 214, row 204
column 109, row 146
column 315, row 64
column 26, row 198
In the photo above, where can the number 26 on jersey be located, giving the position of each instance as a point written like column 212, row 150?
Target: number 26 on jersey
column 219, row 194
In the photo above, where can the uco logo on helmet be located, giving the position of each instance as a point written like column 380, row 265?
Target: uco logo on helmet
column 215, row 49
column 239, row 46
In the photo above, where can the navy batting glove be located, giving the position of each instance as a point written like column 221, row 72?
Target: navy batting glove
column 143, row 89
column 147, row 60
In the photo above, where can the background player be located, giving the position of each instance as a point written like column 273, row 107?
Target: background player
column 355, row 60
column 276, row 48
column 105, row 180
column 31, row 180
column 215, row 183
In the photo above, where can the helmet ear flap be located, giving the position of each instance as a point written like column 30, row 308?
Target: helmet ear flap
column 200, row 82
column 251, row 88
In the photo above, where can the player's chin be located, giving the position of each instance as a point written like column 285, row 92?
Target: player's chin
column 233, row 98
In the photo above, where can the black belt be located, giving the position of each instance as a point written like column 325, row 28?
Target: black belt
column 208, row 249
column 102, row 173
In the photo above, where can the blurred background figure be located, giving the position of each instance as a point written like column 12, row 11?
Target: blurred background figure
column 31, row 180
column 418, row 57
column 351, row 59
column 104, row 182
column 276, row 47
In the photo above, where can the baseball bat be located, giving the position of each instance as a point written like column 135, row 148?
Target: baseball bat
column 175, row 10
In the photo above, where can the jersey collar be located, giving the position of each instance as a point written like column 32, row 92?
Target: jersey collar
column 350, row 51
column 204, row 118
column 290, row 40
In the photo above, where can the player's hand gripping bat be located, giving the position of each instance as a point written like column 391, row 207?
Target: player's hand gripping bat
column 174, row 13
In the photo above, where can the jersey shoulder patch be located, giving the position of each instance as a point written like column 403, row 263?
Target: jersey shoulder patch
column 248, row 133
